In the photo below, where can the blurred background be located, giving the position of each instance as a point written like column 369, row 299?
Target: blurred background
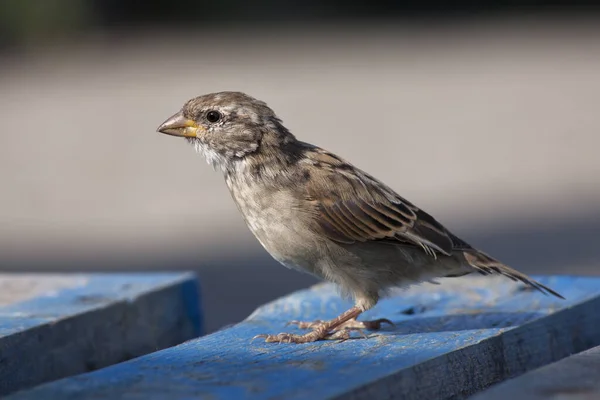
column 484, row 113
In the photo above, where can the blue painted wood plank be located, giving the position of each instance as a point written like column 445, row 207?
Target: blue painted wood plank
column 449, row 341
column 86, row 322
column 574, row 378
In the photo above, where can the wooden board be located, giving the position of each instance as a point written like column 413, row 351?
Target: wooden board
column 61, row 325
column 573, row 378
column 450, row 341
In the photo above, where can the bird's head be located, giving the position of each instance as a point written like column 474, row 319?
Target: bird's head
column 227, row 127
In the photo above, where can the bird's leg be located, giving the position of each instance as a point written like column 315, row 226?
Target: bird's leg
column 307, row 324
column 323, row 330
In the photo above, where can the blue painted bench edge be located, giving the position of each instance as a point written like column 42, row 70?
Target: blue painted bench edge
column 112, row 318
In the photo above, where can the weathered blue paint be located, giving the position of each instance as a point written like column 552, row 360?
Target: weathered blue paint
column 449, row 341
column 107, row 319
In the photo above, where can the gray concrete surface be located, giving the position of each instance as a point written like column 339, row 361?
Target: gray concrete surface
column 492, row 126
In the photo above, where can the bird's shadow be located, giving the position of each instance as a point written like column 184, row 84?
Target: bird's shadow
column 457, row 322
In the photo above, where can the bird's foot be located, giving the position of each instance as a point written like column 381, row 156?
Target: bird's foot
column 319, row 333
column 351, row 324
column 338, row 328
column 338, row 334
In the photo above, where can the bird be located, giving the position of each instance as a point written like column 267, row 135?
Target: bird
column 315, row 212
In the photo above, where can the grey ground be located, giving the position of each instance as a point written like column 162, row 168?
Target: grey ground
column 491, row 127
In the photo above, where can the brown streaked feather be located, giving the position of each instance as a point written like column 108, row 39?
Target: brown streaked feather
column 354, row 207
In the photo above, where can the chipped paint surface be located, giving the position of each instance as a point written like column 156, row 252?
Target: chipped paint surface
column 455, row 339
column 92, row 321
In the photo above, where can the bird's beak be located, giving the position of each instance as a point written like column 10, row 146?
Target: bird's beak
column 178, row 125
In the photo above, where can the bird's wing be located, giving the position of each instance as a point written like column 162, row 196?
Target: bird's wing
column 352, row 206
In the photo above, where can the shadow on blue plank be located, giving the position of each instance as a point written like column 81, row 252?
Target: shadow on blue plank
column 449, row 341
column 105, row 319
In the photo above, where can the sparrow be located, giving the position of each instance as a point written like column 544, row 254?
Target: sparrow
column 315, row 212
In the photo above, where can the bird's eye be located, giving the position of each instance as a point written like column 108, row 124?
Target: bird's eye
column 213, row 116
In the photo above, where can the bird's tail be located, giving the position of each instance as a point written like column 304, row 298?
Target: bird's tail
column 486, row 265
